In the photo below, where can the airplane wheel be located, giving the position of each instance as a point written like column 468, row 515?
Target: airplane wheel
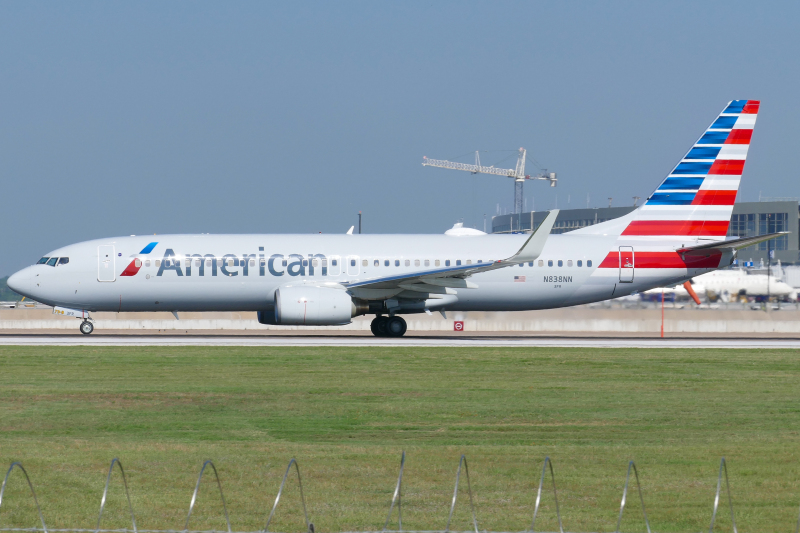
column 86, row 327
column 396, row 327
column 378, row 326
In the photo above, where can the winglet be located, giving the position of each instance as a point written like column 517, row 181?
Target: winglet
column 350, row 231
column 535, row 244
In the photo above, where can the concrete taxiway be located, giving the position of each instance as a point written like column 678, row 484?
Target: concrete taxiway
column 409, row 341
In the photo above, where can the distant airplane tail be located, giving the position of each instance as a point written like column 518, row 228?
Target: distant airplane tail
column 696, row 199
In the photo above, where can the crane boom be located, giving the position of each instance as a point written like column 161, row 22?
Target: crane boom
column 517, row 173
column 475, row 169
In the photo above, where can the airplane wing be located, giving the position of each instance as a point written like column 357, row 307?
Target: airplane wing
column 729, row 245
column 444, row 280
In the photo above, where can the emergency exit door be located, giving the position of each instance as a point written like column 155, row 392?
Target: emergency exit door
column 626, row 264
column 105, row 263
column 353, row 267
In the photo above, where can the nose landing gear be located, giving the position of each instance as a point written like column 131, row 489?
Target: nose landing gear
column 388, row 326
column 86, row 327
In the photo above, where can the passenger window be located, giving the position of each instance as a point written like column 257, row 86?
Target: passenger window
column 304, row 262
column 397, row 262
column 569, row 263
column 427, row 262
column 437, row 263
column 386, row 262
column 283, row 263
column 560, row 263
column 580, row 263
column 521, row 265
column 458, row 262
column 147, row 263
column 230, row 263
column 469, row 261
column 324, row 262
column 52, row 261
column 63, row 261
column 198, row 262
column 416, row 262
column 447, row 263
column 352, row 262
column 188, row 262
column 208, row 263
column 334, row 262
column 158, row 262
column 377, row 262
column 408, row 262
column 541, row 263
column 253, row 262
column 589, row 263
column 43, row 261
column 364, row 262
column 549, row 262
column 530, row 264
column 480, row 260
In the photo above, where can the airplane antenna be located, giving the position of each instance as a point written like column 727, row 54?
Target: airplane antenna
column 517, row 173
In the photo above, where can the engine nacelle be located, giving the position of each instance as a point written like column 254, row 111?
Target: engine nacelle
column 306, row 305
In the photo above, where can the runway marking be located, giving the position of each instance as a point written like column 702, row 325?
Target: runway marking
column 359, row 341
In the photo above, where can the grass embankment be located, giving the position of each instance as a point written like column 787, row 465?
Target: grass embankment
column 347, row 413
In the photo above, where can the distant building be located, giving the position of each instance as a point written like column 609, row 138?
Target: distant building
column 748, row 219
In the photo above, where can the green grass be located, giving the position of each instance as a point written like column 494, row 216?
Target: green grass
column 346, row 414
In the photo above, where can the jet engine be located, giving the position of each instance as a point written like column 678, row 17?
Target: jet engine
column 306, row 305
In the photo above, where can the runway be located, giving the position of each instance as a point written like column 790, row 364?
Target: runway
column 409, row 341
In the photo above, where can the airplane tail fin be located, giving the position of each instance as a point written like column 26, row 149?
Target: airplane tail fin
column 696, row 199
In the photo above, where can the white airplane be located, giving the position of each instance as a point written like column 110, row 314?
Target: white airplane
column 727, row 283
column 677, row 234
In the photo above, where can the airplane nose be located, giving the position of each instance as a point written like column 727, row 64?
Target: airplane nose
column 19, row 281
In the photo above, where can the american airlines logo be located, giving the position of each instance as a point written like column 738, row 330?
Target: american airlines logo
column 231, row 265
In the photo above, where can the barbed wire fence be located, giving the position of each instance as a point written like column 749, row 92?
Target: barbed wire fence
column 395, row 502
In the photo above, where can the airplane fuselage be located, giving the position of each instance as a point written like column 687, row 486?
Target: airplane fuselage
column 242, row 272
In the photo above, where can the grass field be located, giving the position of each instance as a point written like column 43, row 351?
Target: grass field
column 346, row 414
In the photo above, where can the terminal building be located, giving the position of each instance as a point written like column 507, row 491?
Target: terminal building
column 749, row 219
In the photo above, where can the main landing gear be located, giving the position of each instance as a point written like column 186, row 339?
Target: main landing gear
column 86, row 327
column 388, row 326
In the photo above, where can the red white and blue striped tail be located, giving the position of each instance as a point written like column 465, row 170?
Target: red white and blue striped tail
column 696, row 199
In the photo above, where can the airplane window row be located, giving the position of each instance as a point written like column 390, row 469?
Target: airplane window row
column 53, row 261
column 230, row 262
column 407, row 262
column 560, row 262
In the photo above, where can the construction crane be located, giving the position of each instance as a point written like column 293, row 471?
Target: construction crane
column 517, row 173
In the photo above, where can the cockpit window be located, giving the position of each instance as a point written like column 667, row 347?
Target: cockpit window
column 52, row 261
column 63, row 261
column 43, row 260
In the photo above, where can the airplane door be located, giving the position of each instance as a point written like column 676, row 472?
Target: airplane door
column 335, row 267
column 105, row 263
column 626, row 264
column 352, row 265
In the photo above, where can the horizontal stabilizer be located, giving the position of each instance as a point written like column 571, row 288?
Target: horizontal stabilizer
column 729, row 245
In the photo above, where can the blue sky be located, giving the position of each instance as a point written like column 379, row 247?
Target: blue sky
column 190, row 117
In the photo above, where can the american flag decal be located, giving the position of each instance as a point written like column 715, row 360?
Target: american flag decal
column 520, row 279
